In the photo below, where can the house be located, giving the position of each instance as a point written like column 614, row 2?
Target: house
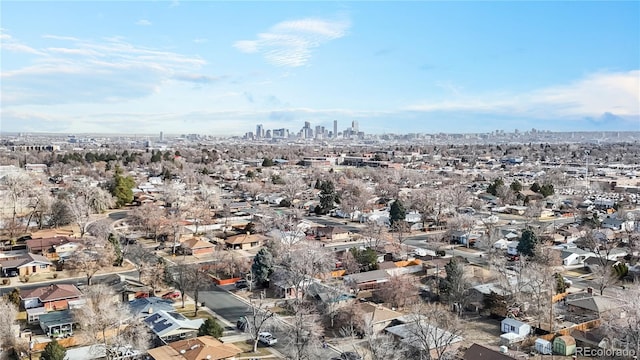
column 594, row 263
column 509, row 325
column 367, row 280
column 464, row 237
column 26, row 265
column 124, row 286
column 478, row 293
column 411, row 325
column 332, row 233
column 575, row 256
column 51, row 247
column 146, row 306
column 51, row 297
column 479, row 352
column 200, row 348
column 616, row 224
column 244, row 241
column 170, row 326
column 195, row 246
column 377, row 316
column 529, row 195
column 587, row 306
column 57, row 323
column 564, row 345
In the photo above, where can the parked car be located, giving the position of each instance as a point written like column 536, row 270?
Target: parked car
column 142, row 294
column 267, row 339
column 171, row 295
column 241, row 284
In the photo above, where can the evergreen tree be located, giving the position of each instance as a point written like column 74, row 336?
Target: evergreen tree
column 535, row 187
column 367, row 258
column 327, row 196
column 528, row 242
column 453, row 288
column 53, row 351
column 397, row 212
column 547, row 190
column 493, row 187
column 561, row 285
column 266, row 162
column 210, row 327
column 122, row 188
column 262, row 267
column 516, row 186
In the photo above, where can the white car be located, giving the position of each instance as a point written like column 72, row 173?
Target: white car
column 267, row 339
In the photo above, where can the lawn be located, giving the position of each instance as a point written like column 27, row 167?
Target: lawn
column 188, row 309
column 248, row 353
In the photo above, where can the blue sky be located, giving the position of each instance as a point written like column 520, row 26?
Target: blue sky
column 220, row 68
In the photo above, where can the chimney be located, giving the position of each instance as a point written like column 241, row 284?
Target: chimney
column 590, row 290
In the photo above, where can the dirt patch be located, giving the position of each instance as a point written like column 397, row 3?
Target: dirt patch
column 482, row 330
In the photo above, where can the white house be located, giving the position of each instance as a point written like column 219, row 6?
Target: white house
column 509, row 325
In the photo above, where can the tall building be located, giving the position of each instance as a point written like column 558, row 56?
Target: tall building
column 161, row 136
column 335, row 129
column 354, row 126
column 259, row 131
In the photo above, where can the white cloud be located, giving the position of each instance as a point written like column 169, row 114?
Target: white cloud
column 596, row 94
column 291, row 43
column 143, row 22
column 93, row 71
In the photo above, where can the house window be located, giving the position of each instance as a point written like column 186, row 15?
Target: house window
column 43, row 266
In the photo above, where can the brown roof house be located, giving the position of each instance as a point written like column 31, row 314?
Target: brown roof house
column 195, row 246
column 52, row 248
column 25, row 265
column 378, row 316
column 244, row 241
column 479, row 352
column 200, row 348
column 587, row 306
column 332, row 234
column 51, row 297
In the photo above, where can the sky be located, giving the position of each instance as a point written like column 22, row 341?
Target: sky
column 220, row 68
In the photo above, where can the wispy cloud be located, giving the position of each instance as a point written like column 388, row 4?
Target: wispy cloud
column 200, row 40
column 616, row 93
column 93, row 71
column 143, row 22
column 291, row 43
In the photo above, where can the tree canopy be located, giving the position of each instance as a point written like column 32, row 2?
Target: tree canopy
column 53, row 351
column 528, row 242
column 397, row 212
column 263, row 266
column 210, row 327
column 122, row 188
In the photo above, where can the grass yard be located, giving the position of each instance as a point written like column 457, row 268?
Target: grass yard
column 188, row 310
column 248, row 353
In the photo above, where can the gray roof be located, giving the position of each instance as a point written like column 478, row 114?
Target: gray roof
column 164, row 322
column 598, row 304
column 144, row 307
column 25, row 260
column 375, row 275
column 407, row 334
column 55, row 318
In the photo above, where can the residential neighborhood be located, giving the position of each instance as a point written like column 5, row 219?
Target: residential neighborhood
column 201, row 248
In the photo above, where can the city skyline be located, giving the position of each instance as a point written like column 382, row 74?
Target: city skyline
column 220, row 68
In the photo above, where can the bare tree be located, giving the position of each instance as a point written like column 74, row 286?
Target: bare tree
column 178, row 276
column 302, row 264
column 305, row 333
column 104, row 318
column 150, row 218
column 141, row 258
column 260, row 319
column 16, row 185
column 199, row 280
column 85, row 200
column 382, row 346
column 623, row 332
column 399, row 291
column 434, row 330
column 8, row 314
column 603, row 270
column 94, row 255
column 292, row 187
column 375, row 234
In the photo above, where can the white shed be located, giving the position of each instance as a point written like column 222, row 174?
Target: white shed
column 510, row 325
column 543, row 347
